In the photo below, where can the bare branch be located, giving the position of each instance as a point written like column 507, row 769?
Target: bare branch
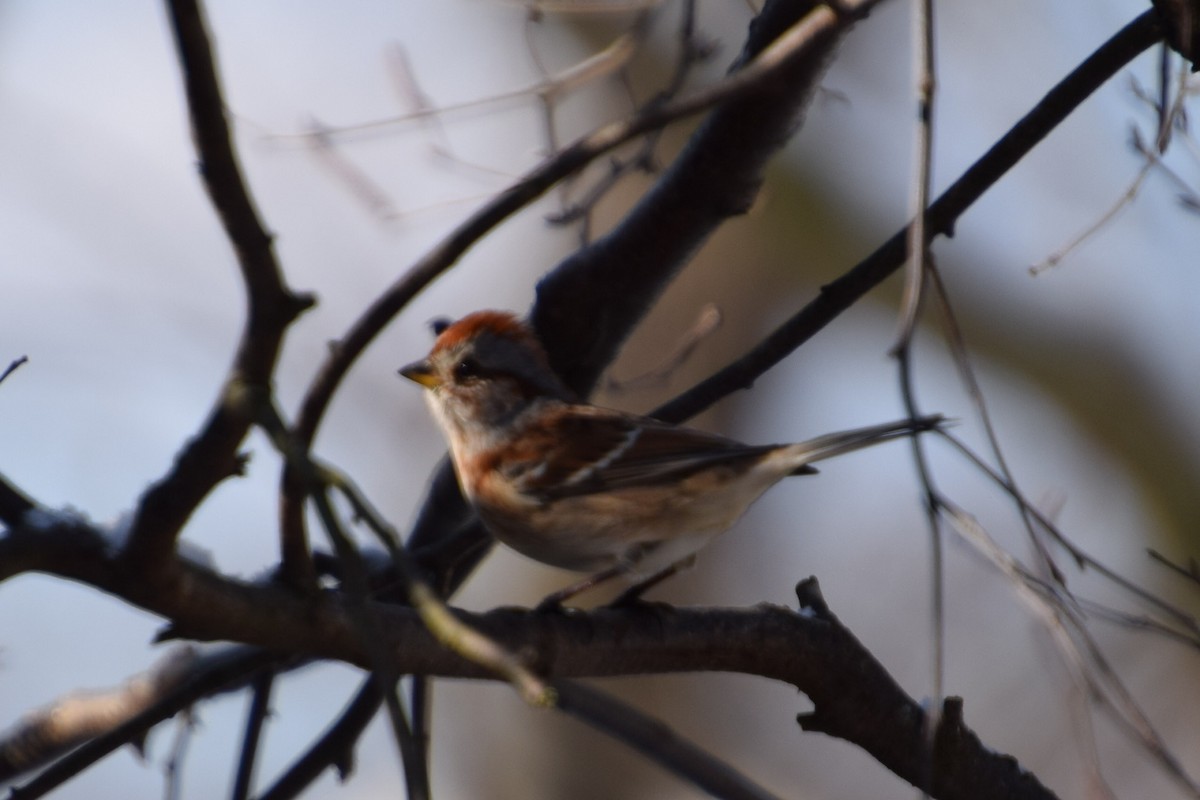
column 855, row 698
column 212, row 455
column 13, row 366
column 43, row 735
column 835, row 297
column 920, row 265
column 210, row 675
column 256, row 717
column 657, row 741
column 334, row 748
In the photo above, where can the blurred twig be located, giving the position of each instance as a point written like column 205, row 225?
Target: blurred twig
column 656, row 741
column 256, row 716
column 335, row 747
column 13, row 366
column 707, row 322
column 919, row 265
column 1191, row 571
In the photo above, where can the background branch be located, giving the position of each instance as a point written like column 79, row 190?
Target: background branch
column 837, row 296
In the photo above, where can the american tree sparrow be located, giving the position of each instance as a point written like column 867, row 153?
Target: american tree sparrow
column 588, row 488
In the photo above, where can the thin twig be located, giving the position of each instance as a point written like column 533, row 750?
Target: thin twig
column 707, row 322
column 185, row 726
column 918, row 237
column 260, row 707
column 13, row 366
column 335, row 747
column 384, row 669
column 595, row 67
column 1167, row 116
column 960, row 355
column 1126, row 198
column 1081, row 556
column 1191, row 571
column 919, row 265
column 653, row 739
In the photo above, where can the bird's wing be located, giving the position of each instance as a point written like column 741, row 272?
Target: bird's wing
column 587, row 450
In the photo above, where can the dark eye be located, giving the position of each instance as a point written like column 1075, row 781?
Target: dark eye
column 466, row 369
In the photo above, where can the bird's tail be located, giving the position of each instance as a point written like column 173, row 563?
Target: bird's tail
column 835, row 444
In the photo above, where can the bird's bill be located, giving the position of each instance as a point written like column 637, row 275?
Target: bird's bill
column 422, row 373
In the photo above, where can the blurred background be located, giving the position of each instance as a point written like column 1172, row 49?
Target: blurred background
column 120, row 287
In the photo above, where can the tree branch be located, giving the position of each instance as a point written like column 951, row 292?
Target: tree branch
column 209, row 675
column 44, row 734
column 854, row 698
column 1132, row 40
column 657, row 742
column 211, row 456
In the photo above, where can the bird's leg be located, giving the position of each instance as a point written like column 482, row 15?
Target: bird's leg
column 554, row 600
column 634, row 593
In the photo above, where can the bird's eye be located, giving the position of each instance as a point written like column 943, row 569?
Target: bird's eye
column 467, row 368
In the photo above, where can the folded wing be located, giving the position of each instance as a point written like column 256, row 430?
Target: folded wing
column 596, row 450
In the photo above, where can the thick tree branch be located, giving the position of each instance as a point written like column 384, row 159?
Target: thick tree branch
column 854, row 698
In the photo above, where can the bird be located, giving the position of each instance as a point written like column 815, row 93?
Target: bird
column 587, row 488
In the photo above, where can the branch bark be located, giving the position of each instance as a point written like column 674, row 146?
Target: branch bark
column 854, row 697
